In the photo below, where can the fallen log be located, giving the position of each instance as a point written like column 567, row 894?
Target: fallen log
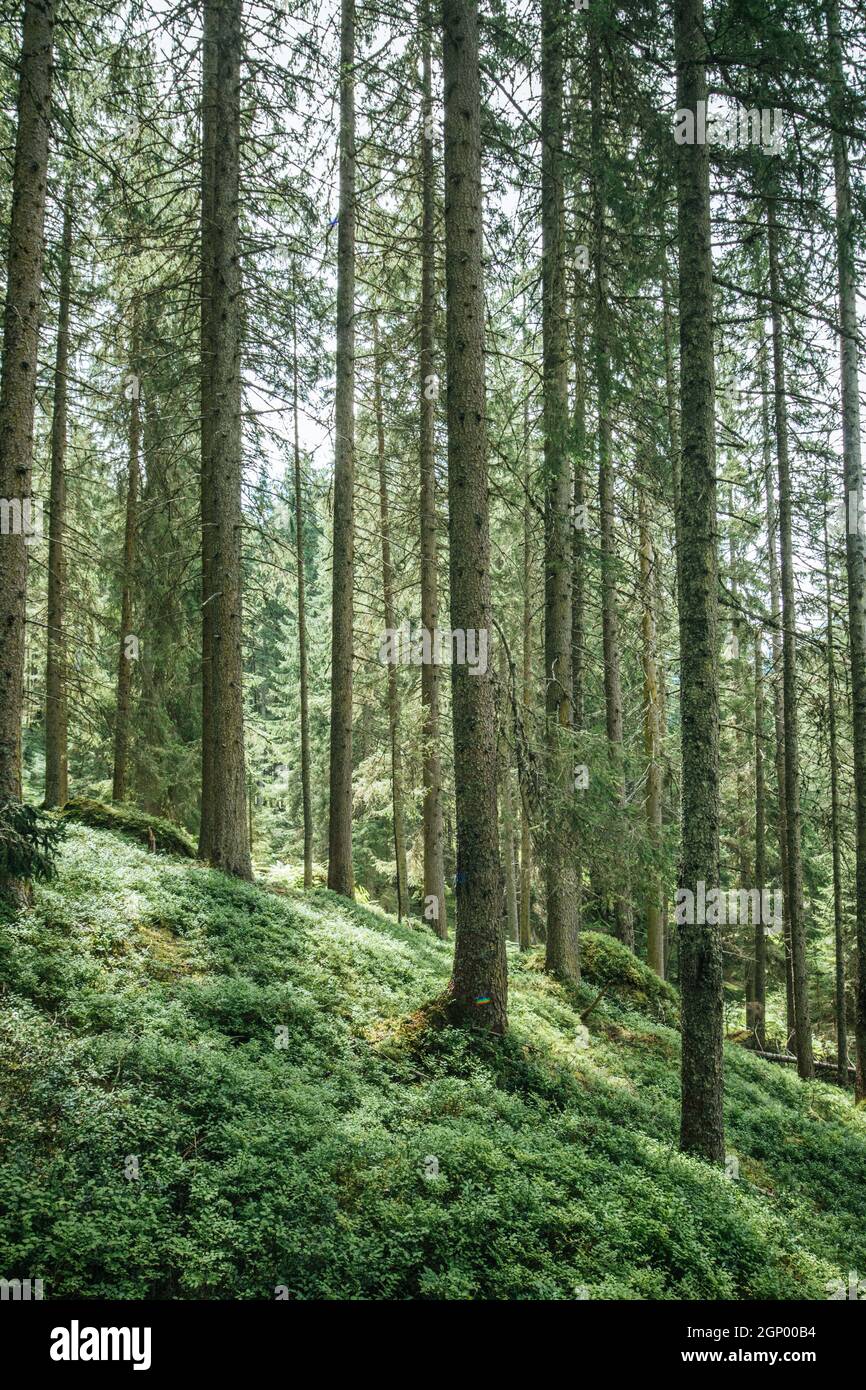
column 789, row 1058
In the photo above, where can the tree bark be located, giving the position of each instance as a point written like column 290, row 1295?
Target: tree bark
column 794, row 885
column 526, row 693
column 756, row 1020
column 623, row 914
column 230, row 848
column 700, row 954
column 56, row 717
column 479, row 985
column 433, row 834
column 561, row 958
column 855, row 540
column 208, row 598
column 302, row 611
column 652, row 740
column 127, row 652
column 18, row 373
column 340, row 871
column 390, row 626
column 835, row 832
column 778, row 684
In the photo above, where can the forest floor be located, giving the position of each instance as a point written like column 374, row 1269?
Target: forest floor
column 210, row 1090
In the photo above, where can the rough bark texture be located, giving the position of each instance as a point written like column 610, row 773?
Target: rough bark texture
column 623, row 914
column 835, row 829
column 434, row 844
column 390, row 626
column 127, row 655
column 561, row 955
column 756, row 1015
column 302, row 615
column 778, row 684
column 208, row 147
column 230, row 847
column 700, row 954
column 526, row 694
column 794, row 884
column 18, row 375
column 56, row 721
column 652, row 726
column 855, row 540
column 479, row 985
column 340, row 871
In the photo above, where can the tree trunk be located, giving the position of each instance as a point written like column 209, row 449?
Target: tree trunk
column 302, row 611
column 340, row 871
column 390, row 626
column 756, row 1020
column 855, row 539
column 56, row 719
column 479, row 984
column 526, row 695
column 208, row 597
column 835, row 832
column 652, row 741
column 434, row 849
column 738, row 681
column 794, row 885
column 18, row 373
column 128, row 648
column 778, row 684
column 561, row 956
column 230, row 848
column 700, row 952
column 624, row 918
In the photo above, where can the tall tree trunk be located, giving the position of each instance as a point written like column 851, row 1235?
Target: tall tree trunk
column 390, row 626
column 743, row 739
column 479, row 984
column 127, row 648
column 434, row 848
column 671, row 403
column 835, row 832
column 562, row 942
column 794, row 885
column 526, row 694
column 507, row 821
column 700, row 951
column 578, row 543
column 855, row 540
column 230, row 847
column 302, row 610
column 652, row 741
column 56, row 720
column 624, row 918
column 208, row 597
column 778, row 682
column 756, row 1021
column 340, row 871
column 18, row 372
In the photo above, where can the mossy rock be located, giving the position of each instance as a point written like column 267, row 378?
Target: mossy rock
column 606, row 964
column 128, row 820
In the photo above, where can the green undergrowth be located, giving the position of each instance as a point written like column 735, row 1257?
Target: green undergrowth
column 210, row 1090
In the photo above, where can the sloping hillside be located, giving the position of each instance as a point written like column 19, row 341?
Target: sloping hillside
column 212, row 1090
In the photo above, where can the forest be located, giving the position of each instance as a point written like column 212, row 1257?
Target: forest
column 432, row 650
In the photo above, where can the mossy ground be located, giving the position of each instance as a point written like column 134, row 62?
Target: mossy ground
column 250, row 1056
